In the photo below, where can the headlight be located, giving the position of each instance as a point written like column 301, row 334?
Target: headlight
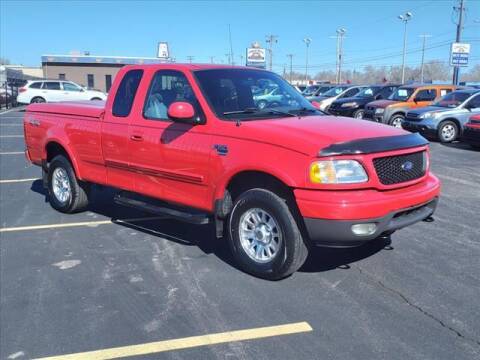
column 350, row 104
column 337, row 172
column 379, row 110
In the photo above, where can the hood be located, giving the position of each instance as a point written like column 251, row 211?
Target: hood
column 311, row 133
column 359, row 100
column 435, row 109
column 382, row 103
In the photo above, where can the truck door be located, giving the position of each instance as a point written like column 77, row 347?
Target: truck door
column 115, row 131
column 170, row 159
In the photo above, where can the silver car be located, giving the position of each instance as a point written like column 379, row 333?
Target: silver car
column 445, row 118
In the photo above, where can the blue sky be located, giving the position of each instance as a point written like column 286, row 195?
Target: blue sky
column 29, row 29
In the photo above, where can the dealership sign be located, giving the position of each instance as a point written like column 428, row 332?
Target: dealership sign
column 163, row 50
column 256, row 57
column 459, row 54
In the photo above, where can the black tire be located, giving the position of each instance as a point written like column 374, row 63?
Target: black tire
column 445, row 136
column 358, row 114
column 396, row 120
column 95, row 99
column 37, row 99
column 78, row 199
column 292, row 251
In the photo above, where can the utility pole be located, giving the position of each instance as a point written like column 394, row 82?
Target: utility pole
column 231, row 46
column 290, row 56
column 212, row 59
column 424, row 36
column 190, row 58
column 241, row 60
column 405, row 18
column 340, row 34
column 271, row 39
column 307, row 42
column 460, row 9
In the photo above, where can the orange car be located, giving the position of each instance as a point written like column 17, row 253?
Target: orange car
column 393, row 110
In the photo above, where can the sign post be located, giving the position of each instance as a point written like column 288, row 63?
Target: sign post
column 162, row 52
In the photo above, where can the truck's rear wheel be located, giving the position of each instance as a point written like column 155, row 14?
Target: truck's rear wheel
column 67, row 194
column 264, row 236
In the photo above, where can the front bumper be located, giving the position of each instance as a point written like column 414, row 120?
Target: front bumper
column 423, row 127
column 338, row 233
column 329, row 215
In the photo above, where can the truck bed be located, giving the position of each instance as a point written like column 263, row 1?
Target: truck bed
column 77, row 108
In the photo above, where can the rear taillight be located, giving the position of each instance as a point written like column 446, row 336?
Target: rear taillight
column 22, row 89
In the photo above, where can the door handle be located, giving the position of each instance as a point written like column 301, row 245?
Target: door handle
column 136, row 138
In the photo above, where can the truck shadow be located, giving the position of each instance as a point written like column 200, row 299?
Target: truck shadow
column 203, row 236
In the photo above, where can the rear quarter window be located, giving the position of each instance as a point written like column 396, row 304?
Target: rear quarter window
column 122, row 105
column 35, row 85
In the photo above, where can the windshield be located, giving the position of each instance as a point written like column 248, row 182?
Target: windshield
column 334, row 91
column 310, row 90
column 233, row 93
column 402, row 94
column 368, row 92
column 452, row 99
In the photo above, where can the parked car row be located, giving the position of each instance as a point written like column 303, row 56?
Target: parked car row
column 439, row 112
column 55, row 91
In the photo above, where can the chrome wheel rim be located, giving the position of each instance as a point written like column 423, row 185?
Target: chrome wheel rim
column 397, row 123
column 61, row 185
column 260, row 235
column 448, row 132
column 359, row 115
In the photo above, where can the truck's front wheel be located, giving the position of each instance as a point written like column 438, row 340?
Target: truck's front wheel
column 264, row 236
column 67, row 194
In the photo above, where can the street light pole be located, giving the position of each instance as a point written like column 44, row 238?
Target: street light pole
column 290, row 56
column 307, row 42
column 424, row 36
column 405, row 18
column 340, row 34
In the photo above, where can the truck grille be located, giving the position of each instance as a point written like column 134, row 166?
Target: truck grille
column 400, row 168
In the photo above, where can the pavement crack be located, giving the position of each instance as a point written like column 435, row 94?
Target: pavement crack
column 417, row 307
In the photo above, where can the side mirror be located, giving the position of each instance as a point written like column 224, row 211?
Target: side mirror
column 379, row 97
column 181, row 111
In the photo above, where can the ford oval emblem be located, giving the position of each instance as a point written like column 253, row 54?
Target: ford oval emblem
column 407, row 166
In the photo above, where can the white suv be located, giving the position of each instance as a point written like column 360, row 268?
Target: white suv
column 53, row 91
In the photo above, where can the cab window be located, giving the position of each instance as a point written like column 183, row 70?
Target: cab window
column 122, row 105
column 426, row 95
column 71, row 87
column 444, row 92
column 51, row 85
column 167, row 87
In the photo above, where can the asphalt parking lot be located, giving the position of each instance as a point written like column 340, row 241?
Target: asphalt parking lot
column 114, row 277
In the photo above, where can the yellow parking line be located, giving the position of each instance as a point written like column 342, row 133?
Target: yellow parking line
column 11, row 181
column 12, row 153
column 11, row 136
column 189, row 342
column 76, row 224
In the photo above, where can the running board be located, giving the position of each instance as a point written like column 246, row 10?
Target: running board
column 158, row 207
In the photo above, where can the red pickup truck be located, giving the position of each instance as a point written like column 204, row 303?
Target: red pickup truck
column 190, row 142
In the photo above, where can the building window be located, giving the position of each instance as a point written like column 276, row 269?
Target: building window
column 108, row 82
column 90, row 81
column 61, row 76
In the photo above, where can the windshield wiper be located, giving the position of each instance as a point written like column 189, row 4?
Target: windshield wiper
column 258, row 111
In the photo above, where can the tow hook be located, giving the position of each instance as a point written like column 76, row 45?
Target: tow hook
column 429, row 219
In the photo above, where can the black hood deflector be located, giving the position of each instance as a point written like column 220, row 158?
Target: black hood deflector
column 373, row 145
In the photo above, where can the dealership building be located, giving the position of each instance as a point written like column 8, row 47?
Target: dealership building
column 95, row 72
